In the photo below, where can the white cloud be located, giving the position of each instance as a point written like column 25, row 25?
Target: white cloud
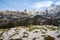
column 41, row 4
column 57, row 3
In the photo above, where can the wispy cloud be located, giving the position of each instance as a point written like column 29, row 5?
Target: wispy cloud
column 57, row 3
column 41, row 4
column 26, row 4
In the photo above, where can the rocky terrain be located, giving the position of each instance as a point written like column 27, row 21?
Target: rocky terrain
column 30, row 25
column 35, row 32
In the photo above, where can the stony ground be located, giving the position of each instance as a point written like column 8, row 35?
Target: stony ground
column 34, row 32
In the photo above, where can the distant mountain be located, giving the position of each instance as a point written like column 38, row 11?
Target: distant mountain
column 34, row 16
column 53, row 9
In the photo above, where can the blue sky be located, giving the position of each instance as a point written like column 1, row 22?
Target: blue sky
column 26, row 4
